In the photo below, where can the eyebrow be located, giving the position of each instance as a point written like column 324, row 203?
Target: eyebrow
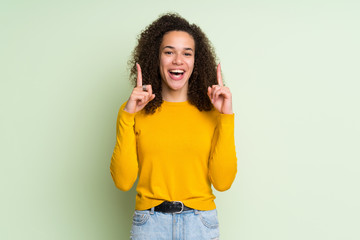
column 171, row 47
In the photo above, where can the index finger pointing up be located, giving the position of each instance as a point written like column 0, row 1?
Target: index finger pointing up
column 219, row 78
column 139, row 76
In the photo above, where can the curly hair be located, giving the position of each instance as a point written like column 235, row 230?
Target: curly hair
column 146, row 53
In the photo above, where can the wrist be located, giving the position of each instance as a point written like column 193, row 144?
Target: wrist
column 230, row 112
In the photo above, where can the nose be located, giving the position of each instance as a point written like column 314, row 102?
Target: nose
column 177, row 59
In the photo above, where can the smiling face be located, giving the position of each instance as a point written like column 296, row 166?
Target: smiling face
column 177, row 57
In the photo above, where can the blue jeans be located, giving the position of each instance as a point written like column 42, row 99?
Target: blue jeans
column 188, row 225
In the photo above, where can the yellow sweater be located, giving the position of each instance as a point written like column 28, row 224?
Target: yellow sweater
column 177, row 152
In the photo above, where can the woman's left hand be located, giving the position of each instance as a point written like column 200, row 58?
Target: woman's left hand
column 220, row 95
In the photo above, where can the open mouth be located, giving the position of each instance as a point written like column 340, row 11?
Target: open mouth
column 176, row 73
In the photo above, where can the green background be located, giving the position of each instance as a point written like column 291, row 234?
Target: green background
column 293, row 69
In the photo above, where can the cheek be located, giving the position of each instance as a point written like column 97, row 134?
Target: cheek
column 162, row 68
column 164, row 62
column 191, row 64
column 161, row 63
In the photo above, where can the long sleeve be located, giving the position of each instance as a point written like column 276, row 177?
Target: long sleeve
column 223, row 162
column 177, row 154
column 124, row 162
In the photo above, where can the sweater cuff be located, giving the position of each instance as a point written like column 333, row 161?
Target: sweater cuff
column 126, row 118
column 226, row 119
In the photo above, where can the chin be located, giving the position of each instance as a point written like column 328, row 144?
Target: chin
column 176, row 86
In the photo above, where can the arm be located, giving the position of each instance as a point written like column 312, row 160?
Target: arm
column 223, row 162
column 124, row 163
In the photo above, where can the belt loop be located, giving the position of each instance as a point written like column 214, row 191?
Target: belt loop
column 196, row 212
column 152, row 210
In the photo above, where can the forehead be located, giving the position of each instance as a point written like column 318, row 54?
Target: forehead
column 179, row 39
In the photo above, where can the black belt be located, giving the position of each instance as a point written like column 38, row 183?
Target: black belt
column 172, row 207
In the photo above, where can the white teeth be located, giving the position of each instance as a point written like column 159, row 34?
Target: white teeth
column 176, row 71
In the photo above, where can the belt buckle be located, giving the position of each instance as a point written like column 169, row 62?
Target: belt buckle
column 182, row 206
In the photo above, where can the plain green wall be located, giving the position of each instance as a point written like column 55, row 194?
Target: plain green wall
column 292, row 66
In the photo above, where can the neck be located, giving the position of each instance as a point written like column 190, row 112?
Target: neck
column 170, row 95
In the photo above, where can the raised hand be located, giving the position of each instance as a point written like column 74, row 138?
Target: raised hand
column 220, row 95
column 140, row 96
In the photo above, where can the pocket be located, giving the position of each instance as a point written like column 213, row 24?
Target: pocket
column 209, row 218
column 140, row 217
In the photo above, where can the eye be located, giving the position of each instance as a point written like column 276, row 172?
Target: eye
column 168, row 52
column 188, row 54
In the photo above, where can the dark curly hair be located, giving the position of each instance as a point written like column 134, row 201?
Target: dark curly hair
column 146, row 53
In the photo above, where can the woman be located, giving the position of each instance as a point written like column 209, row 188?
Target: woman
column 176, row 133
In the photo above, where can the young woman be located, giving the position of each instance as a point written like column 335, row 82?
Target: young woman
column 175, row 133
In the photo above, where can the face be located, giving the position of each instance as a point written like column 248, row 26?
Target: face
column 177, row 56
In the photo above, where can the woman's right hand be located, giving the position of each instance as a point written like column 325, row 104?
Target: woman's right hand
column 140, row 96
